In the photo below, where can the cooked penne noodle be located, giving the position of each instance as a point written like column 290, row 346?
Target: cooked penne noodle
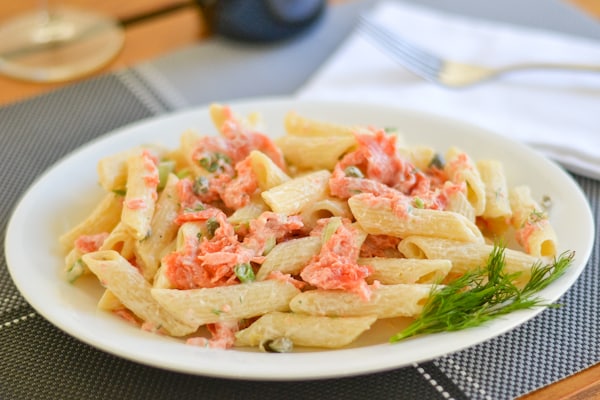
column 299, row 125
column 112, row 170
column 533, row 230
column 205, row 306
column 289, row 257
column 466, row 256
column 130, row 287
column 380, row 219
column 187, row 144
column 329, row 207
column 497, row 204
column 188, row 234
column 109, row 301
column 220, row 113
column 315, row 153
column 141, row 196
column 163, row 230
column 460, row 168
column 103, row 218
column 390, row 271
column 304, row 330
column 293, row 196
column 120, row 240
column 161, row 281
column 458, row 203
column 387, row 301
column 267, row 172
column 249, row 212
column 419, row 156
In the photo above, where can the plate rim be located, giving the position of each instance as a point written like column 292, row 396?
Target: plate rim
column 259, row 374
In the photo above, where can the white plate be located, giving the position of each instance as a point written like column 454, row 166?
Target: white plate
column 66, row 192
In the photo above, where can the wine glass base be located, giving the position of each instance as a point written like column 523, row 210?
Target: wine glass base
column 58, row 45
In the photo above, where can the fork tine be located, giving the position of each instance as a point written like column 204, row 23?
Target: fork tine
column 410, row 56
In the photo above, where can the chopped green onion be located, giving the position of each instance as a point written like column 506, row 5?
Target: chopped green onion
column 418, row 202
column 120, row 192
column 200, row 185
column 183, row 173
column 213, row 162
column 75, row 270
column 332, row 226
column 164, row 169
column 244, row 272
column 197, row 207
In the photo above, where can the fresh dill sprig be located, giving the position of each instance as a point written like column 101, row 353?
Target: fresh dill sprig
column 479, row 296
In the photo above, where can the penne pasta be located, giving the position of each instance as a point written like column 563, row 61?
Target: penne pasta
column 533, row 230
column 378, row 218
column 141, row 196
column 466, row 256
column 130, row 287
column 325, row 208
column 315, row 153
column 497, row 204
column 460, row 168
column 205, row 306
column 458, row 203
column 387, row 301
column 390, row 271
column 163, row 230
column 419, row 156
column 289, row 257
column 304, row 330
column 103, row 218
column 298, row 125
column 112, row 170
column 120, row 240
column 293, row 196
column 249, row 212
column 266, row 171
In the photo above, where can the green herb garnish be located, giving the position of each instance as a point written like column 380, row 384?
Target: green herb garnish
column 164, row 169
column 214, row 161
column 183, row 173
column 75, row 270
column 331, row 227
column 482, row 295
column 200, row 185
column 244, row 272
column 418, row 202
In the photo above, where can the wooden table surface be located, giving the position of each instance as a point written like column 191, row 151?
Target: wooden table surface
column 156, row 27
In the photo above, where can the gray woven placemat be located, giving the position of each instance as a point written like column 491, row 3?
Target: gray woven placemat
column 38, row 361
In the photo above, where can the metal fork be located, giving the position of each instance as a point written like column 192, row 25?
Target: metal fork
column 447, row 73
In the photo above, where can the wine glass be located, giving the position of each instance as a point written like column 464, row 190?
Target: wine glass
column 57, row 43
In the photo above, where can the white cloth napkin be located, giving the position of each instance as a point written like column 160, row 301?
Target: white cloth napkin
column 556, row 113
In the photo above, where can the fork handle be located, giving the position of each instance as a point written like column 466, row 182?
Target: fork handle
column 550, row 66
